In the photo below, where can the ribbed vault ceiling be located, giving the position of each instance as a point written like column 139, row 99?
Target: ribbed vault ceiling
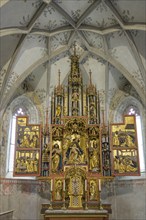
column 37, row 38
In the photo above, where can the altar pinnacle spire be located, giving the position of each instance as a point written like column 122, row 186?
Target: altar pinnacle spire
column 90, row 73
column 74, row 46
column 59, row 77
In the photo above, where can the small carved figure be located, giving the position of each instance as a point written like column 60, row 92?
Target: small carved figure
column 129, row 141
column 94, row 161
column 58, row 190
column 116, row 141
column 131, row 165
column 56, row 159
column 116, row 163
column 45, row 153
column 18, row 165
column 35, row 165
column 58, row 110
column 34, row 142
column 92, row 110
column 25, row 142
column 23, row 165
column 94, row 157
column 30, row 166
column 75, row 129
column 75, row 98
column 92, row 191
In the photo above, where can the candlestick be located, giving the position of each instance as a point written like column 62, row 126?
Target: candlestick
column 85, row 185
column 63, row 185
column 51, row 185
column 51, row 207
column 99, row 185
column 100, row 203
column 63, row 207
column 103, row 117
column 86, row 206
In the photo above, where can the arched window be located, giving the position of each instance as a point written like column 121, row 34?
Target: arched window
column 132, row 110
column 11, row 147
column 19, row 107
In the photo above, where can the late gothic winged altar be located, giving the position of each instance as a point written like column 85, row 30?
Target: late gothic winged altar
column 76, row 151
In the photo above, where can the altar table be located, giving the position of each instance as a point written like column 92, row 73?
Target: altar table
column 76, row 215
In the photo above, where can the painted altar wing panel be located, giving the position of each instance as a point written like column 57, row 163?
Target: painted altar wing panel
column 27, row 148
column 124, row 145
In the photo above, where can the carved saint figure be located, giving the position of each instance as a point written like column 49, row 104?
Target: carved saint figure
column 129, row 141
column 92, row 191
column 35, row 164
column 30, row 166
column 116, row 163
column 74, row 153
column 58, row 190
column 92, row 110
column 116, row 141
column 56, row 159
column 45, row 154
column 94, row 157
column 58, row 110
column 75, row 98
column 25, row 141
column 34, row 142
column 23, row 165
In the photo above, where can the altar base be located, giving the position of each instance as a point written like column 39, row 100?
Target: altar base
column 76, row 215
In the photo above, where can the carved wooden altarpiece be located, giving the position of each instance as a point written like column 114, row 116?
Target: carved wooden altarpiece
column 76, row 157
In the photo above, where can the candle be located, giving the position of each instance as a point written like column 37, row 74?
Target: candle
column 51, row 185
column 63, row 185
column 99, row 185
column 85, row 185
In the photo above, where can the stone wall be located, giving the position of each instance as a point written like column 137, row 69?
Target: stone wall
column 128, row 198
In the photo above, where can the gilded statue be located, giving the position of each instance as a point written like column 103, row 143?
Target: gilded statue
column 92, row 109
column 94, row 157
column 58, row 190
column 17, row 169
column 34, row 143
column 75, row 129
column 116, row 141
column 30, row 168
column 57, row 132
column 75, row 98
column 124, row 164
column 129, row 141
column 25, row 142
column 116, row 163
column 74, row 153
column 35, row 164
column 92, row 190
column 23, row 165
column 56, row 158
column 45, row 153
column 58, row 110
